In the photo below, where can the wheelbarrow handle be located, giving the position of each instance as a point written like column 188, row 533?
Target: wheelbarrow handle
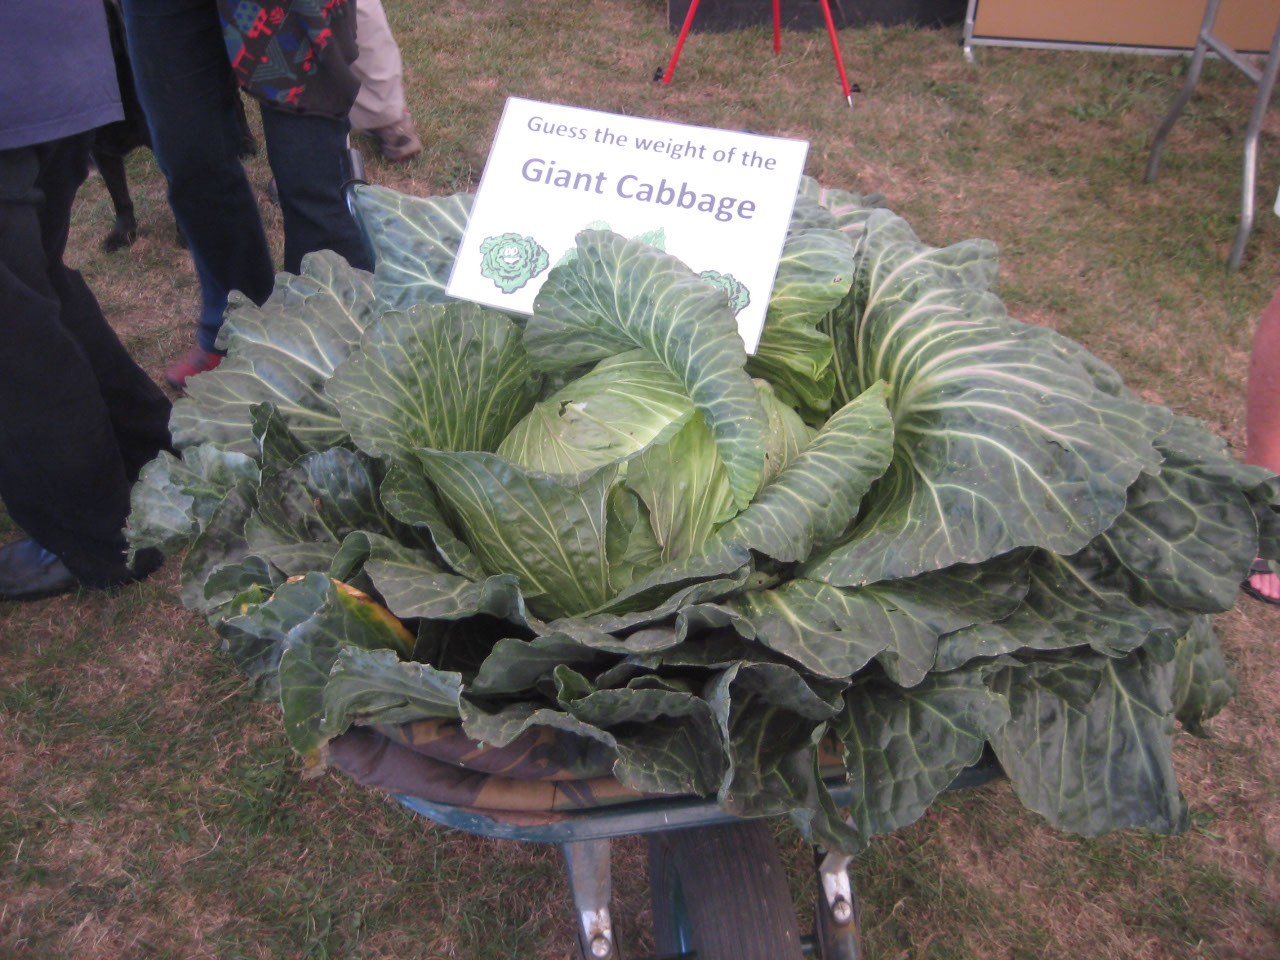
column 355, row 178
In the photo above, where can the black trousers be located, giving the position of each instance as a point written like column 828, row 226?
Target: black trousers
column 78, row 417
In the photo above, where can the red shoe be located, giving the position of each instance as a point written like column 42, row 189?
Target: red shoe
column 196, row 361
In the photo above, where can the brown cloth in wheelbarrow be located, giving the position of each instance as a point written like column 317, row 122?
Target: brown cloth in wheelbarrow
column 543, row 776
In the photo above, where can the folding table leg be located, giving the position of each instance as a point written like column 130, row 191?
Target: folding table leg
column 1184, row 95
column 1266, row 84
column 1265, row 80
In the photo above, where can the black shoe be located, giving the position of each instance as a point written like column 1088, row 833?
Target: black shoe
column 29, row 571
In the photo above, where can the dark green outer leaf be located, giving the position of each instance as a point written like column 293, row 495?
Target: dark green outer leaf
column 278, row 446
column 409, row 497
column 229, row 582
column 773, row 762
column 304, row 513
column 834, row 631
column 784, row 686
column 415, row 242
column 309, row 652
column 254, row 632
column 515, row 665
column 904, row 747
column 1100, row 765
column 711, row 573
column 160, row 514
column 668, row 741
column 807, row 214
column 174, row 499
column 1086, row 599
column 1188, row 540
column 619, row 294
column 1202, row 682
column 376, row 686
column 770, row 754
column 451, row 377
column 411, row 592
column 501, row 727
column 408, row 578
column 1186, row 533
column 221, row 541
column 281, row 353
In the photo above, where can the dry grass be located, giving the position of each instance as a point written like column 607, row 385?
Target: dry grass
column 149, row 809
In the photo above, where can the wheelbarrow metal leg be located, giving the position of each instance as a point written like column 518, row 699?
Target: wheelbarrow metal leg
column 838, row 912
column 589, row 879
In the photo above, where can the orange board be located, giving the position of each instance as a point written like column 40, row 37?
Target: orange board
column 1245, row 25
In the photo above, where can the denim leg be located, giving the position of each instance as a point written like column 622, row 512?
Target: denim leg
column 185, row 85
column 308, row 155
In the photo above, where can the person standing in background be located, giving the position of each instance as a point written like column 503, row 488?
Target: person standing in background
column 379, row 109
column 294, row 57
column 1262, row 427
column 78, row 417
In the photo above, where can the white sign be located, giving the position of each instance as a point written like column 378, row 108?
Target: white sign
column 719, row 200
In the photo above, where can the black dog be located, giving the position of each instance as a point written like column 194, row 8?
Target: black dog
column 113, row 142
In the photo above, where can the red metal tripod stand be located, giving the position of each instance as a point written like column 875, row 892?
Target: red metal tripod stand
column 777, row 42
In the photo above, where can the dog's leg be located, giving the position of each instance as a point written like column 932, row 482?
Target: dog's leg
column 125, row 230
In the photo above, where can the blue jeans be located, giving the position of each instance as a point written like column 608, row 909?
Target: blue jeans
column 187, row 91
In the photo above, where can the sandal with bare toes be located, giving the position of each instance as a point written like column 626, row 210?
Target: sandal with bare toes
column 1259, row 566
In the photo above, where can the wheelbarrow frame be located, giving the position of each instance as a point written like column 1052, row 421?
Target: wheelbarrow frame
column 585, row 843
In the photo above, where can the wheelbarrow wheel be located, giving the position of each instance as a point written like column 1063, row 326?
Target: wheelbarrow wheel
column 721, row 892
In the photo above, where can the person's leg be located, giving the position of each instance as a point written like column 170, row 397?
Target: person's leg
column 379, row 109
column 137, row 407
column 308, row 156
column 70, row 395
column 380, row 101
column 1262, row 413
column 184, row 83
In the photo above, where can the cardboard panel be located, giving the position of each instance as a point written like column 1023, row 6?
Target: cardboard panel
column 1246, row 25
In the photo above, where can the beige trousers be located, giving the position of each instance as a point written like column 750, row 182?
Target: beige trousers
column 381, row 98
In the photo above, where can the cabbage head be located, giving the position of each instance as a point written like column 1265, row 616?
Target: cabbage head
column 909, row 529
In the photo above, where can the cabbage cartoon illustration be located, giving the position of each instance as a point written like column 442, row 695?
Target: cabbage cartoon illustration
column 739, row 296
column 511, row 260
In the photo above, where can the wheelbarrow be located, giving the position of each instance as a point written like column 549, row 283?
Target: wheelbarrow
column 717, row 883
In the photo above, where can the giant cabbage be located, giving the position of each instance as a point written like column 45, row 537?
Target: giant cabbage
column 909, row 527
